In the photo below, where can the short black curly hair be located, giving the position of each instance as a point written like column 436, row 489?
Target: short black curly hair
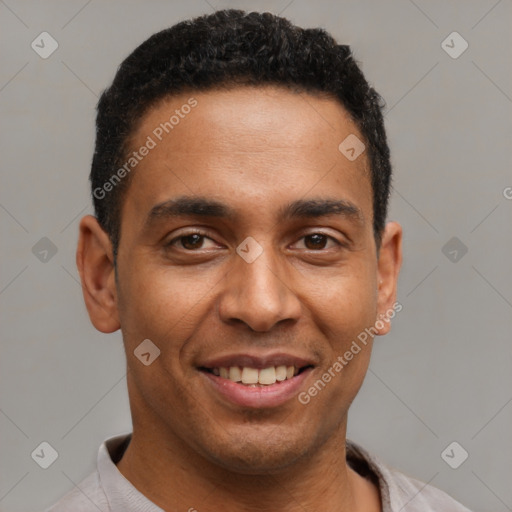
column 225, row 49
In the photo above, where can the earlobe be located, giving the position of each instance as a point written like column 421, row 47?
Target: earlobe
column 95, row 262
column 388, row 268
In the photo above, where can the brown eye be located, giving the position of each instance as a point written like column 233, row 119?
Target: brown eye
column 315, row 241
column 192, row 242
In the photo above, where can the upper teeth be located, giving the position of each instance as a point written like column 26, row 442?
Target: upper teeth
column 265, row 376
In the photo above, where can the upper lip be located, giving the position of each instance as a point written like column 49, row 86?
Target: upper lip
column 258, row 361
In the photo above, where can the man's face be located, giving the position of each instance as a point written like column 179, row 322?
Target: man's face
column 261, row 163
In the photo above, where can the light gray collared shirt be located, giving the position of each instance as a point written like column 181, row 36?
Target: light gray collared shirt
column 107, row 490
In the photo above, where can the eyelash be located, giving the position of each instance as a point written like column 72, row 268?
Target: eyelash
column 205, row 235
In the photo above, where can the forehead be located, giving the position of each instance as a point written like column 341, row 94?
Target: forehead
column 248, row 144
column 246, row 116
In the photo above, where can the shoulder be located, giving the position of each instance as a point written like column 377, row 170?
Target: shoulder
column 87, row 496
column 408, row 492
column 399, row 491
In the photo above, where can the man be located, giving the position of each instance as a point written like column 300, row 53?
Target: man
column 240, row 183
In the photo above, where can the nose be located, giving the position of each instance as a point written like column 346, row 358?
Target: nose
column 259, row 294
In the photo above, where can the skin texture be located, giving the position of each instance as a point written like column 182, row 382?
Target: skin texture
column 256, row 150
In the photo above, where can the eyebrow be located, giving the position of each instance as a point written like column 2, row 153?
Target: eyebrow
column 312, row 208
column 203, row 207
column 189, row 206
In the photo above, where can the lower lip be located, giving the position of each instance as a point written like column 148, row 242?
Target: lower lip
column 258, row 397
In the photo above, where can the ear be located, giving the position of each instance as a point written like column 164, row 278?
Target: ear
column 388, row 268
column 95, row 262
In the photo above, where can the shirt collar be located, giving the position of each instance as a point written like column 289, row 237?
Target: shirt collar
column 121, row 495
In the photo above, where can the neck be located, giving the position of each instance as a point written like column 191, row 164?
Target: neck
column 175, row 477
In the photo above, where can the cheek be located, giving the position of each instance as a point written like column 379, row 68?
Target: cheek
column 163, row 304
column 346, row 304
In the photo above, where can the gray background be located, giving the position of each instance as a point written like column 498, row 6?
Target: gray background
column 442, row 375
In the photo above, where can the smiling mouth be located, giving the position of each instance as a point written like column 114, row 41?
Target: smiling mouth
column 254, row 377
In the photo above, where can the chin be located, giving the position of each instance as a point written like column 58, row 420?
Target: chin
column 258, row 453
